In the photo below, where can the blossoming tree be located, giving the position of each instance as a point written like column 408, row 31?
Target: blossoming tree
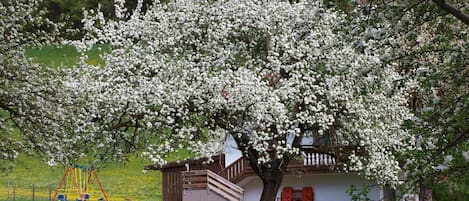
column 24, row 86
column 428, row 40
column 187, row 73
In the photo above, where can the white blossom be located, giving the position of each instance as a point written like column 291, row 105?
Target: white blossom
column 186, row 73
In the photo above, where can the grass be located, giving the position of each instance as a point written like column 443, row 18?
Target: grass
column 120, row 181
column 66, row 55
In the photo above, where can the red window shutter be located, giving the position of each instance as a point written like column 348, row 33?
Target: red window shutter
column 307, row 194
column 287, row 194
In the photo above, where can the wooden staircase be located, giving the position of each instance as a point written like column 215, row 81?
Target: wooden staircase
column 237, row 171
column 206, row 179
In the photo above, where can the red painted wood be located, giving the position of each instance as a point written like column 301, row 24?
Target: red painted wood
column 307, row 194
column 287, row 194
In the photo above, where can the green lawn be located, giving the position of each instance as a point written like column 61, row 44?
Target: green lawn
column 120, row 181
column 64, row 56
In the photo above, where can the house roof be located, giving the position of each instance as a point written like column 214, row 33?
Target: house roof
column 199, row 161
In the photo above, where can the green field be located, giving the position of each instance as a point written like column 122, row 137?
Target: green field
column 121, row 182
column 64, row 56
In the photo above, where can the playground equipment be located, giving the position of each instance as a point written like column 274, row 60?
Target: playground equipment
column 78, row 181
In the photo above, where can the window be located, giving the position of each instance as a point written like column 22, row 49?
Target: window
column 290, row 194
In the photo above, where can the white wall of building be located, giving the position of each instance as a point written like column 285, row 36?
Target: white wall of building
column 232, row 153
column 326, row 187
column 201, row 195
column 253, row 190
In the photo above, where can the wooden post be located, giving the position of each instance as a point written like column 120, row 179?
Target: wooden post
column 50, row 192
column 62, row 181
column 14, row 192
column 76, row 184
column 8, row 192
column 100, row 185
column 34, row 190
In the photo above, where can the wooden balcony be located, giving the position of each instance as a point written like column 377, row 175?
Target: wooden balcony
column 311, row 163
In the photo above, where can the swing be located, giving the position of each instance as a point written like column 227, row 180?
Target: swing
column 80, row 177
column 61, row 197
column 67, row 180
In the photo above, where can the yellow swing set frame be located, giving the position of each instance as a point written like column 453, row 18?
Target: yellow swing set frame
column 82, row 188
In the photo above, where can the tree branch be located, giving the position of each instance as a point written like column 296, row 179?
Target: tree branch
column 460, row 139
column 453, row 11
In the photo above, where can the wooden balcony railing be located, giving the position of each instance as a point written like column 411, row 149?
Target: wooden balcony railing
column 311, row 162
column 237, row 171
column 318, row 159
column 206, row 179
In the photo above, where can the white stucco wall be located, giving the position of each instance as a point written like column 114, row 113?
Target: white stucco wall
column 201, row 195
column 252, row 190
column 232, row 153
column 327, row 187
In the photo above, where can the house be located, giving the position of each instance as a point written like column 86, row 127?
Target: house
column 229, row 177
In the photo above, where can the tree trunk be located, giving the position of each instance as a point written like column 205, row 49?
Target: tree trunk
column 272, row 179
column 425, row 193
column 270, row 173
